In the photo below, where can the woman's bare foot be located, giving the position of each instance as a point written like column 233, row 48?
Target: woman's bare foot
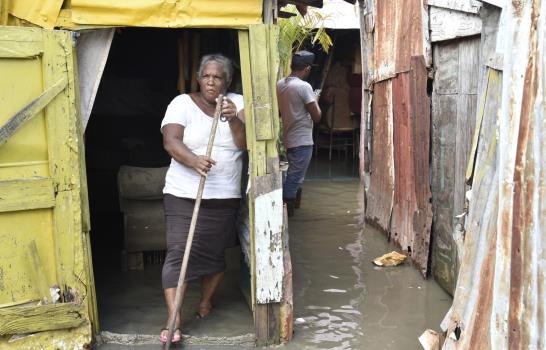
column 203, row 310
column 176, row 337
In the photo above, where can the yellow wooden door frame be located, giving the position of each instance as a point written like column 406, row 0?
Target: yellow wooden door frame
column 259, row 67
column 60, row 191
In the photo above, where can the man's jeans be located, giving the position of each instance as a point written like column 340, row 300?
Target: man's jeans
column 298, row 161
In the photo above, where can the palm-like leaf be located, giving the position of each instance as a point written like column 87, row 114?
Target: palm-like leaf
column 294, row 31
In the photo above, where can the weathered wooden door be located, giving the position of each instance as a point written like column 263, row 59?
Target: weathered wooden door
column 46, row 279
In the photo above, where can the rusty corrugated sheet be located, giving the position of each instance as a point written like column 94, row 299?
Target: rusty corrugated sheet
column 499, row 300
column 412, row 213
column 401, row 31
column 380, row 193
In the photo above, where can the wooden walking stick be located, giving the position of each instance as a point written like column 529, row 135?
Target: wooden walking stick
column 182, row 277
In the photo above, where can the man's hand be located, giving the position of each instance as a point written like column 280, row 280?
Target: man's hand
column 202, row 164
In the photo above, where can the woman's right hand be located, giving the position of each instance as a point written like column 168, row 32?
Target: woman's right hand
column 202, row 164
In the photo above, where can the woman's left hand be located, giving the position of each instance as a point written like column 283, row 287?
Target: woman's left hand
column 229, row 110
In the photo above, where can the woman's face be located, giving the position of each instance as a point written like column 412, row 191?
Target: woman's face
column 212, row 81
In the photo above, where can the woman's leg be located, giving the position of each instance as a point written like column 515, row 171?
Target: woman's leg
column 209, row 284
column 170, row 294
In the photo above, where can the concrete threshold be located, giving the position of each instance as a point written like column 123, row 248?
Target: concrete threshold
column 245, row 340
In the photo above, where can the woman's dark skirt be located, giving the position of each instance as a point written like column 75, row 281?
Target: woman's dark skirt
column 214, row 232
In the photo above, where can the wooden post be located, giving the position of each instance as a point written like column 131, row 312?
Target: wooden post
column 259, row 61
column 4, row 12
column 364, row 158
column 182, row 61
column 196, row 53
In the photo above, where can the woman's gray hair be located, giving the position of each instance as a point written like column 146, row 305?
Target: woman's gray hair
column 220, row 59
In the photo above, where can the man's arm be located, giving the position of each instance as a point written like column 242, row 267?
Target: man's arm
column 314, row 110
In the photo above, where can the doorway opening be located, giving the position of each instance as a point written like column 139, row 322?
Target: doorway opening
column 126, row 166
column 336, row 137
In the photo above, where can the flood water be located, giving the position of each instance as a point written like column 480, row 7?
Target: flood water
column 341, row 300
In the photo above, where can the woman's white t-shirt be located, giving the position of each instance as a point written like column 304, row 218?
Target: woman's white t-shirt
column 224, row 178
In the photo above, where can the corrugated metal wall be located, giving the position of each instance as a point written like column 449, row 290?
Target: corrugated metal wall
column 488, row 163
column 500, row 294
column 398, row 196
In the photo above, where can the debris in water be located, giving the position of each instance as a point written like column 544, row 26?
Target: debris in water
column 300, row 320
column 335, row 277
column 430, row 340
column 335, row 291
column 390, row 259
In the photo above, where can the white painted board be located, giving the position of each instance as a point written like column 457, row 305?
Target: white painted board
column 470, row 6
column 448, row 24
column 92, row 49
column 268, row 247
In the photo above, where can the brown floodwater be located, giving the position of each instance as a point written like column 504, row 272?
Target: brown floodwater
column 341, row 300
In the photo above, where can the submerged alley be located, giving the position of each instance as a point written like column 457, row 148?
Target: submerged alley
column 341, row 300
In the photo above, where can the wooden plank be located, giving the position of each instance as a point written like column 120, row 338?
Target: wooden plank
column 477, row 129
column 448, row 24
column 29, row 111
column 446, row 64
column 26, row 194
column 287, row 306
column 31, row 319
column 262, row 94
column 268, row 245
column 64, row 141
column 468, row 6
column 18, row 34
column 267, row 331
column 274, row 62
column 381, row 190
column 92, row 50
column 469, row 65
column 443, row 137
column 39, row 273
column 466, row 119
column 17, row 49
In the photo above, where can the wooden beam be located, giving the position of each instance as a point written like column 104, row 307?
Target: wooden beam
column 26, row 194
column 270, row 11
column 32, row 319
column 263, row 119
column 313, row 3
column 30, row 110
column 284, row 14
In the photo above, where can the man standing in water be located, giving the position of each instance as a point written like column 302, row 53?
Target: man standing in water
column 299, row 109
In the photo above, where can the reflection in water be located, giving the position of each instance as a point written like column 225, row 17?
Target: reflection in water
column 341, row 300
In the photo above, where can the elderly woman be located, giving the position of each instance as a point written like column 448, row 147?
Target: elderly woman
column 186, row 129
